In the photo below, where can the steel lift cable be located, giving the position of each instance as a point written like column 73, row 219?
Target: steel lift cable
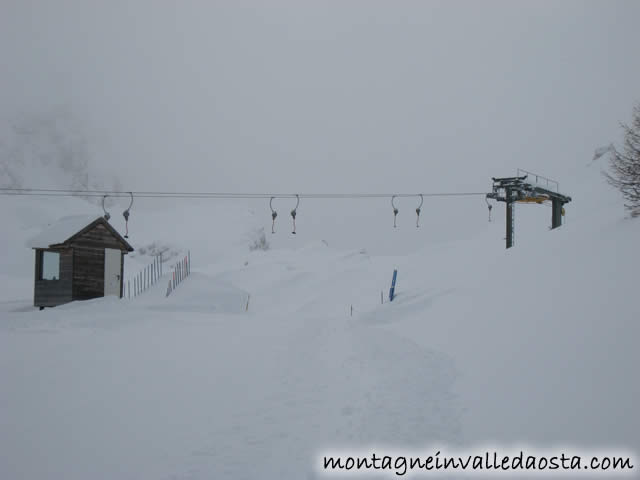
column 224, row 195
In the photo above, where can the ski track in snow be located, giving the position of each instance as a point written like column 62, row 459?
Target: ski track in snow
column 333, row 382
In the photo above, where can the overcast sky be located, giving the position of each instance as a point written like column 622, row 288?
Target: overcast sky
column 334, row 96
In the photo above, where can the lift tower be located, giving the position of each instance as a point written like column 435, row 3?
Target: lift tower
column 524, row 189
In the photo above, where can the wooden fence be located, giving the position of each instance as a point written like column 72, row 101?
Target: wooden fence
column 145, row 278
column 181, row 270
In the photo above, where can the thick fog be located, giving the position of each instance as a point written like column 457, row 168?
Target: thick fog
column 325, row 96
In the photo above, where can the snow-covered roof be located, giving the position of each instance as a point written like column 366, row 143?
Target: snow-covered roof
column 61, row 231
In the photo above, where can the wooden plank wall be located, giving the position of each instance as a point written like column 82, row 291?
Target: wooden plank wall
column 88, row 275
column 88, row 279
column 98, row 237
column 49, row 293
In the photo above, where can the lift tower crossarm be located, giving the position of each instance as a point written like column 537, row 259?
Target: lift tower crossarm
column 512, row 189
column 551, row 194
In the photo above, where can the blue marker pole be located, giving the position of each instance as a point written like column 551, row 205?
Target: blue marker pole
column 393, row 285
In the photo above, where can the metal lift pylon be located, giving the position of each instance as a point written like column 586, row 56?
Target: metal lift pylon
column 520, row 189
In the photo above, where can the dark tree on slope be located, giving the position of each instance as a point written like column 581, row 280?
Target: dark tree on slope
column 624, row 170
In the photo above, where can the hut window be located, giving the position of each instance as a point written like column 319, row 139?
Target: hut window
column 50, row 266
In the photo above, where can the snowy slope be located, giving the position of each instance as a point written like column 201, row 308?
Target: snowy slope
column 536, row 344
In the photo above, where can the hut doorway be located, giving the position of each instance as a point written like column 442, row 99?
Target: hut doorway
column 112, row 271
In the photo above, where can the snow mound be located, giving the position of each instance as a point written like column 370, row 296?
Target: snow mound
column 200, row 293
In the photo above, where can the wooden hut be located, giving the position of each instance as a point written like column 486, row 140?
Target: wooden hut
column 78, row 258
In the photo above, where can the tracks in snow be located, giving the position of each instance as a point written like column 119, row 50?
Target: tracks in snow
column 330, row 383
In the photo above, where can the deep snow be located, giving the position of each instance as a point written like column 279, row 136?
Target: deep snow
column 537, row 344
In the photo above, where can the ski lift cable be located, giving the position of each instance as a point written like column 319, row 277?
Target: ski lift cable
column 219, row 195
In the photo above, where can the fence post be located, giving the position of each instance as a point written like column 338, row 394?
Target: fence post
column 128, row 289
column 189, row 262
